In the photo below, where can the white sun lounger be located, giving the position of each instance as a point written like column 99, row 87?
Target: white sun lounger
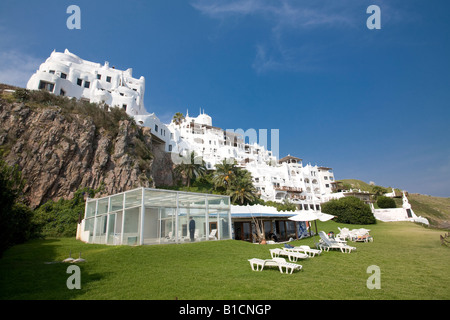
column 283, row 266
column 293, row 256
column 327, row 244
column 306, row 250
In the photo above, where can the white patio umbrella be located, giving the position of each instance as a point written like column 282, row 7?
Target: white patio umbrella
column 310, row 215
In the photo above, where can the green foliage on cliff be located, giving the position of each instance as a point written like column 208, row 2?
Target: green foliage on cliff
column 60, row 218
column 15, row 217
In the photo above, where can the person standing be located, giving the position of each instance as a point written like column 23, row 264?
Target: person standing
column 191, row 228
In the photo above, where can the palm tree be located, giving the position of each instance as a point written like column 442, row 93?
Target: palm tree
column 192, row 169
column 242, row 191
column 224, row 175
column 178, row 118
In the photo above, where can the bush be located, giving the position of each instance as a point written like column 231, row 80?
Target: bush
column 15, row 217
column 21, row 95
column 349, row 210
column 60, row 218
column 386, row 202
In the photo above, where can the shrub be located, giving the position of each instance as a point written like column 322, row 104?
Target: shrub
column 21, row 95
column 349, row 210
column 386, row 202
column 59, row 218
column 15, row 217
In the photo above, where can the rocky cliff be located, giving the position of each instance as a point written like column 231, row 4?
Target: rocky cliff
column 62, row 145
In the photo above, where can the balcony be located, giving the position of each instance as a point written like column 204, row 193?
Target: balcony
column 290, row 189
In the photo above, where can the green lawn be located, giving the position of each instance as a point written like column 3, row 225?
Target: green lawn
column 413, row 264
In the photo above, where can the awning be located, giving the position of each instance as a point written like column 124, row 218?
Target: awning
column 260, row 211
column 311, row 216
column 263, row 215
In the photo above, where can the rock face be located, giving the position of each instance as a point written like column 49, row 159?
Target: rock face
column 58, row 153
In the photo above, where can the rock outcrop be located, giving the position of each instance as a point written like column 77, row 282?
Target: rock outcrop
column 60, row 152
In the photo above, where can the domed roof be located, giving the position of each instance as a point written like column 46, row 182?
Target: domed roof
column 203, row 118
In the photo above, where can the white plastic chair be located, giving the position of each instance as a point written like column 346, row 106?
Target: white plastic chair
column 212, row 235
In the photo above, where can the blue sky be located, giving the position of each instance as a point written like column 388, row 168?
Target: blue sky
column 371, row 104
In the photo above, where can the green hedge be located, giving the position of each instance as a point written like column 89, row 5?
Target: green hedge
column 349, row 210
column 386, row 202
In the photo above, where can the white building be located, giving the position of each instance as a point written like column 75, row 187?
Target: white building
column 405, row 213
column 214, row 144
column 277, row 180
column 66, row 74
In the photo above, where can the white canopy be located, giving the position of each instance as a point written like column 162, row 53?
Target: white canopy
column 309, row 215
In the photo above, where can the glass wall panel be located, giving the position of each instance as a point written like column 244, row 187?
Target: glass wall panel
column 111, row 237
column 100, row 229
column 218, row 202
column 160, row 198
column 118, row 229
column 133, row 198
column 168, row 224
column 102, row 206
column 224, row 225
column 89, row 226
column 131, row 226
column 90, row 209
column 151, row 225
column 182, row 231
column 116, row 202
column 196, row 224
column 191, row 200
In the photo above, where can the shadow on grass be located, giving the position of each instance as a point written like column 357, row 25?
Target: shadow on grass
column 35, row 271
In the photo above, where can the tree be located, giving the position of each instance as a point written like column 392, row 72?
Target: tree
column 234, row 181
column 241, row 189
column 224, row 174
column 192, row 169
column 178, row 118
column 349, row 210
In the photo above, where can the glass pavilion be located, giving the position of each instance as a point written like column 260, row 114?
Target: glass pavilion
column 156, row 216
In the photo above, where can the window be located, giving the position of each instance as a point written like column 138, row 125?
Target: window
column 52, row 71
column 124, row 106
column 63, row 75
column 156, row 128
column 48, row 86
column 108, row 79
column 99, row 76
column 79, row 82
column 170, row 147
column 87, row 84
column 62, row 92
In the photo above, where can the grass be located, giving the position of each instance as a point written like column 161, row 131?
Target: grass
column 413, row 266
column 435, row 209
